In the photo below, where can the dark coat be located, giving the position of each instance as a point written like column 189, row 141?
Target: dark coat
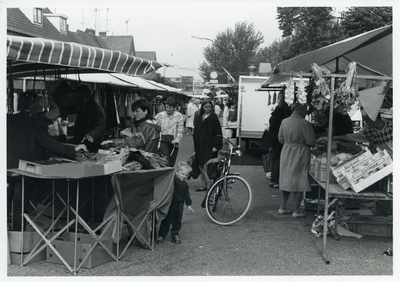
column 205, row 137
column 28, row 139
column 274, row 123
column 90, row 121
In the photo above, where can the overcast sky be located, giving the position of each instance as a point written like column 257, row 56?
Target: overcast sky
column 167, row 26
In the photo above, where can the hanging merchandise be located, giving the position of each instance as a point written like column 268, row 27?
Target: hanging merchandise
column 347, row 94
column 301, row 91
column 274, row 98
column 289, row 92
column 269, row 98
column 320, row 96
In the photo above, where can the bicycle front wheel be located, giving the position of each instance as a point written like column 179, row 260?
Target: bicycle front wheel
column 228, row 200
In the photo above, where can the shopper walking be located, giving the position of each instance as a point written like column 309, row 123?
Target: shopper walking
column 207, row 139
column 191, row 110
column 297, row 136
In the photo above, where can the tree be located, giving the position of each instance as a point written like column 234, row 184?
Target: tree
column 232, row 50
column 274, row 53
column 357, row 20
column 308, row 28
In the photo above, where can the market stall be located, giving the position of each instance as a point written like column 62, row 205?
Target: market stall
column 31, row 57
column 371, row 54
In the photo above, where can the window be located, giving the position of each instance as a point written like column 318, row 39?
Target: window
column 63, row 24
column 38, row 16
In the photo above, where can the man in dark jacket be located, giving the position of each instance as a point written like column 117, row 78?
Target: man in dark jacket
column 90, row 121
column 28, row 139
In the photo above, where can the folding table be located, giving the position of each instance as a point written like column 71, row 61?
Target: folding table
column 47, row 236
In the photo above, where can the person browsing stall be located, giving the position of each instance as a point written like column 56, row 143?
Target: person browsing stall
column 297, row 136
column 171, row 123
column 144, row 134
column 173, row 221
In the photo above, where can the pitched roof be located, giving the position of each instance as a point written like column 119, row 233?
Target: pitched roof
column 19, row 24
column 123, row 43
column 148, row 55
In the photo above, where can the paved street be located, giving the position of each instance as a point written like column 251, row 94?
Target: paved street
column 263, row 243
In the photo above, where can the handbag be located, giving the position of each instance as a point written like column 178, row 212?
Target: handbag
column 213, row 168
column 267, row 161
column 195, row 173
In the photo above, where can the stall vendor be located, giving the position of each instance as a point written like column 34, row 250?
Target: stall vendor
column 90, row 120
column 378, row 133
column 28, row 139
column 144, row 134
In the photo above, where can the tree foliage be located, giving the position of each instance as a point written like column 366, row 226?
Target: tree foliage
column 357, row 20
column 232, row 49
column 308, row 28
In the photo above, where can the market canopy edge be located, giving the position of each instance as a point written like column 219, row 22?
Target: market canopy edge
column 39, row 53
column 372, row 51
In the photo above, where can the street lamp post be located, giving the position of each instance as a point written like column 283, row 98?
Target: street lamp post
column 215, row 63
column 212, row 41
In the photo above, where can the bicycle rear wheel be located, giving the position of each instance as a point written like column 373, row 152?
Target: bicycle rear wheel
column 228, row 200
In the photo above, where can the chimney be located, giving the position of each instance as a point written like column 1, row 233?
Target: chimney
column 252, row 68
column 90, row 31
column 103, row 34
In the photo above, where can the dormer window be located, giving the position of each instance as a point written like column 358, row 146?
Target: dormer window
column 38, row 16
column 63, row 24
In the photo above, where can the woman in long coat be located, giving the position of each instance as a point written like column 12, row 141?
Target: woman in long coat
column 297, row 136
column 207, row 138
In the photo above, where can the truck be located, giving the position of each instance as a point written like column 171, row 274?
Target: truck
column 253, row 110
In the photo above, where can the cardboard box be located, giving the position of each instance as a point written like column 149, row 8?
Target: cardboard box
column 70, row 169
column 370, row 171
column 31, row 238
column 85, row 242
column 339, row 170
column 16, row 257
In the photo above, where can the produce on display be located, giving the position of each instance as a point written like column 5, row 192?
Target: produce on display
column 289, row 92
column 320, row 96
column 347, row 94
column 301, row 92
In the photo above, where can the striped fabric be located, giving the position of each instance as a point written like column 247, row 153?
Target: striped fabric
column 57, row 53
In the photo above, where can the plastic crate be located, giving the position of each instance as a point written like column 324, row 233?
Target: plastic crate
column 372, row 229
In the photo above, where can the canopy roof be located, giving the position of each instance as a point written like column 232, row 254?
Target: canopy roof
column 99, row 78
column 372, row 51
column 28, row 55
column 140, row 82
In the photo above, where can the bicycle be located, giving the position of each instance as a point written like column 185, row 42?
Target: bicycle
column 229, row 198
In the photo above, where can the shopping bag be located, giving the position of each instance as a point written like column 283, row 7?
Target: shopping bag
column 195, row 173
column 267, row 161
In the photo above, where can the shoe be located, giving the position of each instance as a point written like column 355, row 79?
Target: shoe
column 202, row 189
column 298, row 215
column 282, row 212
column 273, row 185
column 175, row 239
column 160, row 240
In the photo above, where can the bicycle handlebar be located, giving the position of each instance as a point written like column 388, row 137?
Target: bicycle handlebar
column 227, row 139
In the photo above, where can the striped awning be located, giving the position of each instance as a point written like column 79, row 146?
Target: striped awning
column 28, row 55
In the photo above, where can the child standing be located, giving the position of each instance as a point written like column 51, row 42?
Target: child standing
column 175, row 212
